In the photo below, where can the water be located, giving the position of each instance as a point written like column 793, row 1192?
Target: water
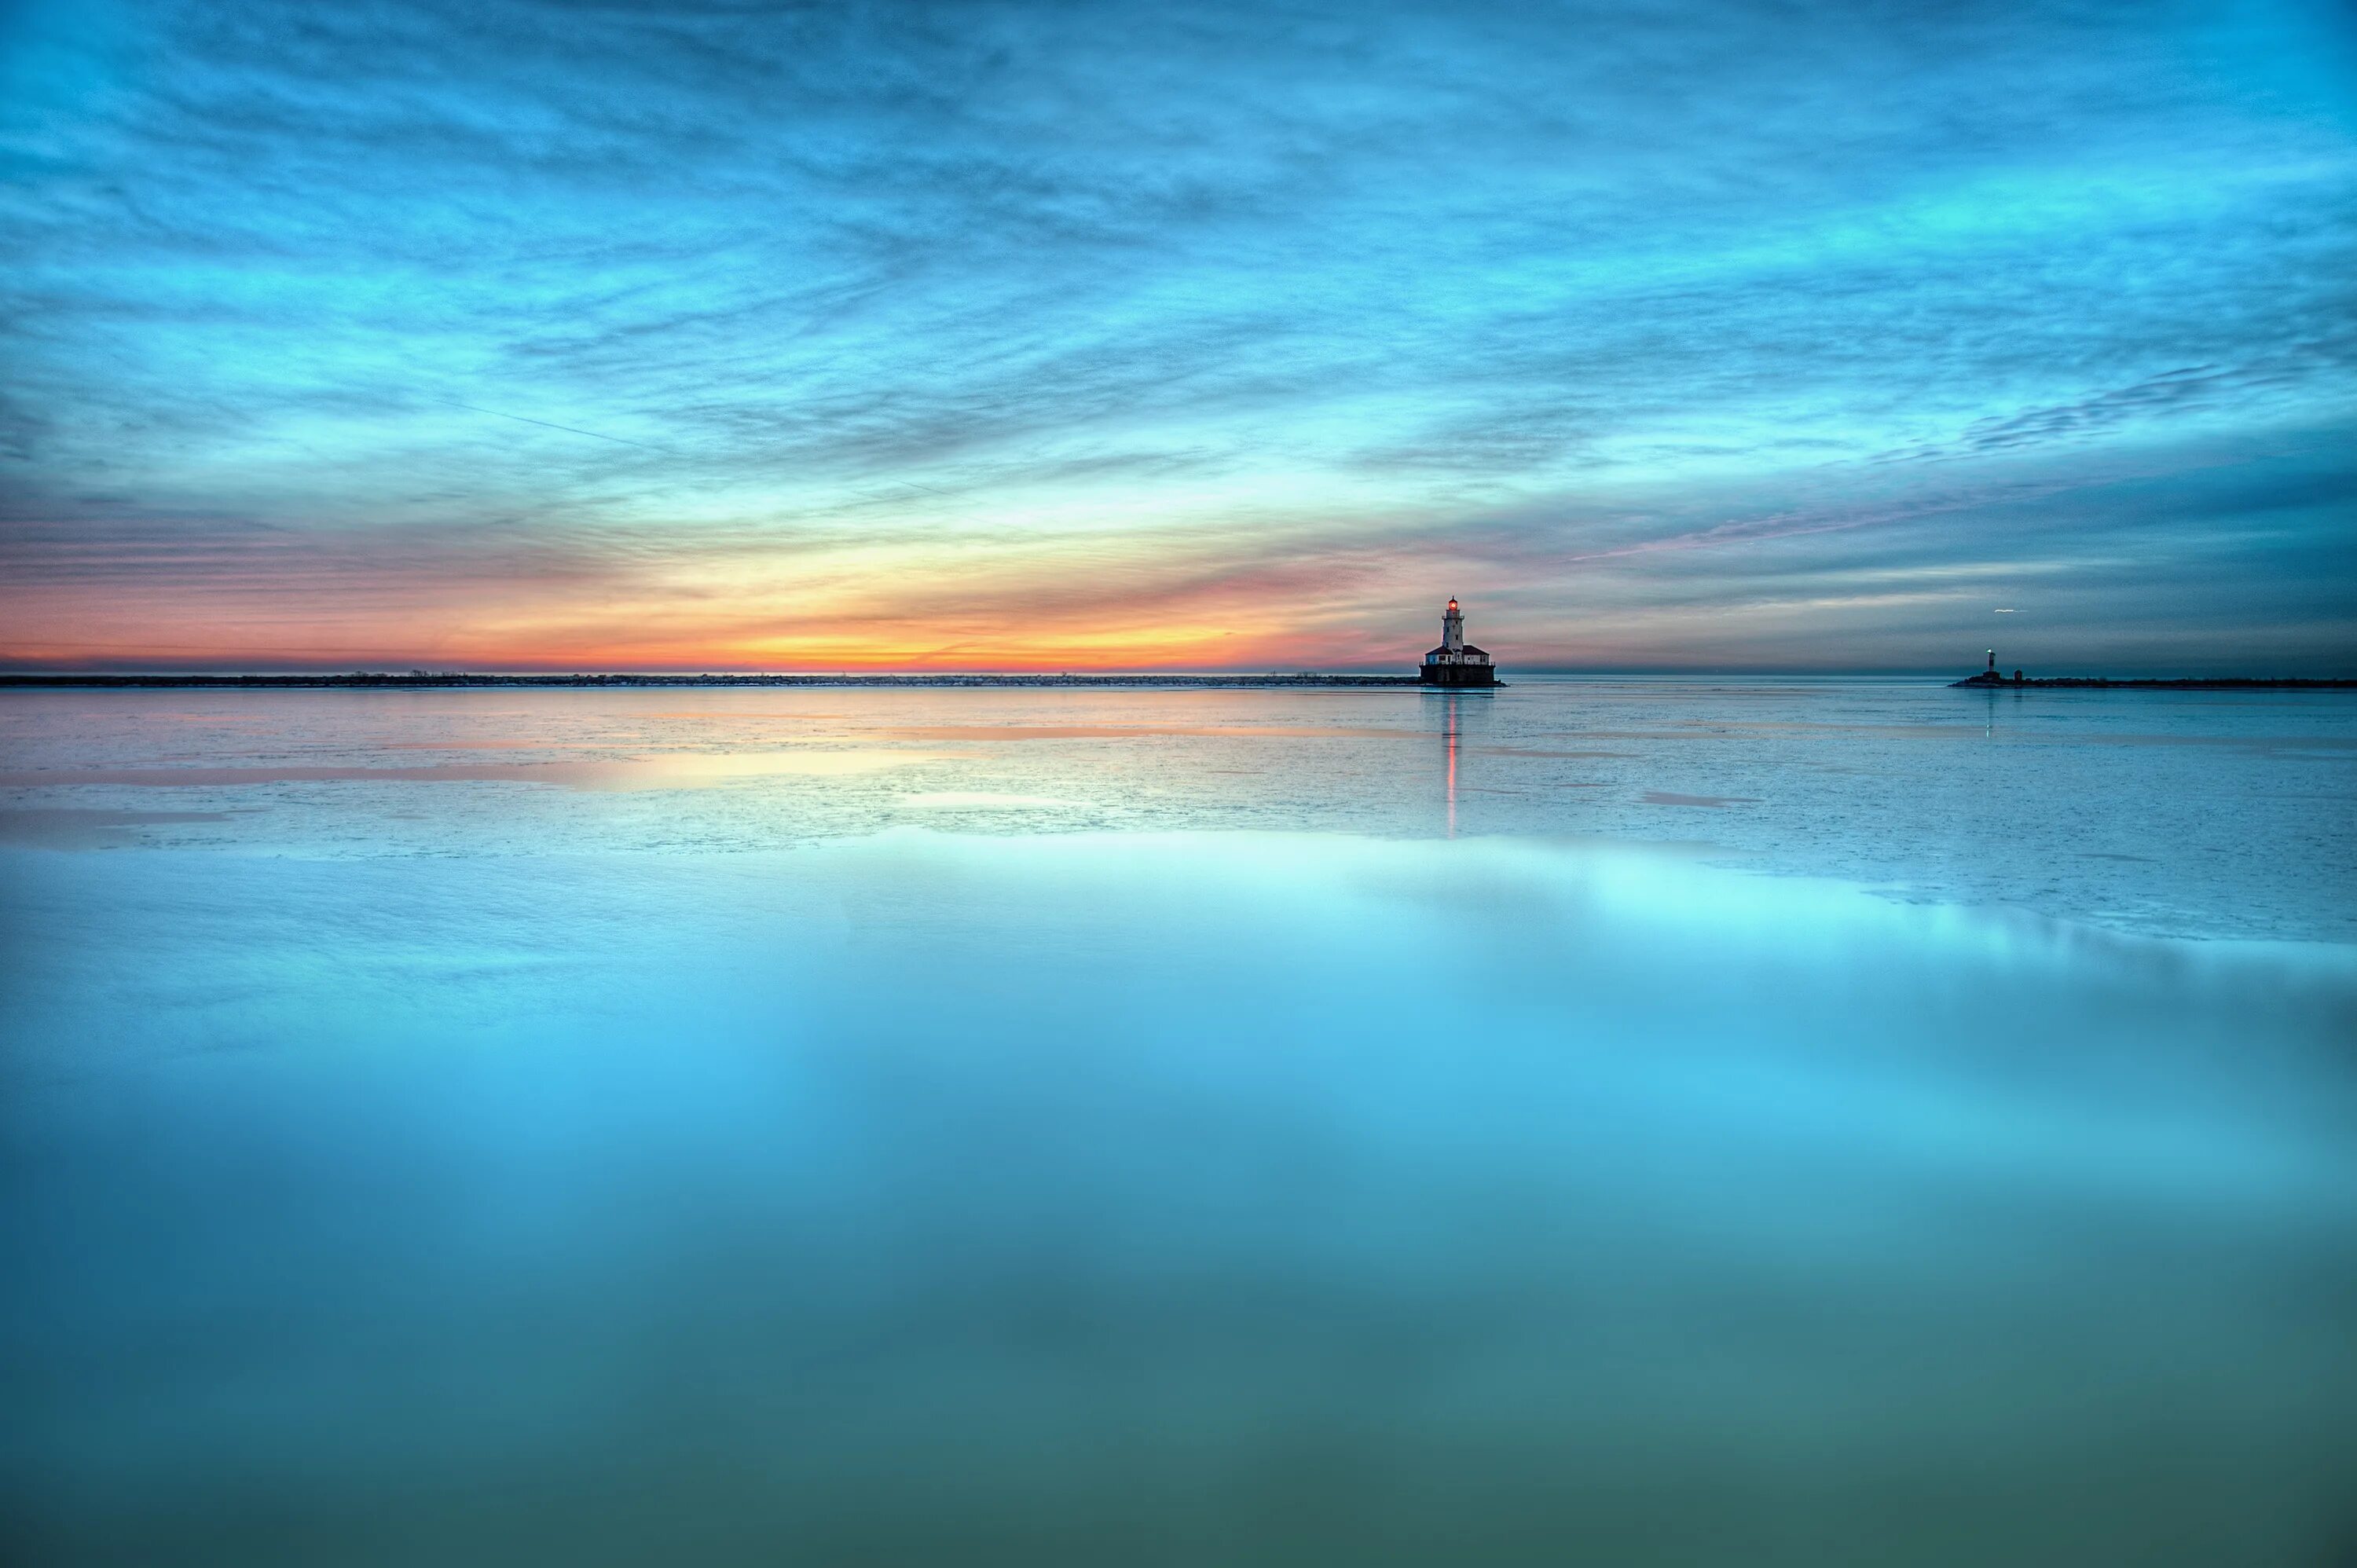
column 1626, row 1123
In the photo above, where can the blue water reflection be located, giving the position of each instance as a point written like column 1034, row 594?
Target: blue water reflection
column 1158, row 1197
column 2194, row 814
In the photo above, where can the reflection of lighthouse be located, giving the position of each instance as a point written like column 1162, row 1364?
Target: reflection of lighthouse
column 1456, row 663
column 1452, row 764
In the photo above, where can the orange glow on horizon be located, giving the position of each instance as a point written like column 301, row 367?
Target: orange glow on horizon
column 1189, row 646
column 1137, row 617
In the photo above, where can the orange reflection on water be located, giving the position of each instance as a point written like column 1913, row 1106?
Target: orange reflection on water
column 1451, row 731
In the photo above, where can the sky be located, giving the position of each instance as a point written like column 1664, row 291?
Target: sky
column 1811, row 337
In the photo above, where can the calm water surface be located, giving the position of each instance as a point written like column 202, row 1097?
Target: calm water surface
column 1601, row 1122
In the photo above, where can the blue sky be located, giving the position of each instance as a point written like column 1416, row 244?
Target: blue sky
column 1695, row 334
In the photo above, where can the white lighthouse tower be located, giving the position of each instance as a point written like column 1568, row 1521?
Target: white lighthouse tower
column 1456, row 663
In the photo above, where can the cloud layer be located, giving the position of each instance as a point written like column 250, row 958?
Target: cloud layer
column 1701, row 334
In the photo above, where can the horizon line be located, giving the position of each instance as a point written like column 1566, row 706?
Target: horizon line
column 128, row 669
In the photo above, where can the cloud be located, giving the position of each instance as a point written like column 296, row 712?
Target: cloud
column 1143, row 310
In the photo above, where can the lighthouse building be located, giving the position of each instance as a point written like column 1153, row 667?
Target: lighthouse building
column 1456, row 663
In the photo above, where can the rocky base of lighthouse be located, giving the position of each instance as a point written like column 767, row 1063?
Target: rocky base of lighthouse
column 1456, row 676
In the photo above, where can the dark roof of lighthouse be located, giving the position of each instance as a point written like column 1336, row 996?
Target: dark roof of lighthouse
column 1469, row 648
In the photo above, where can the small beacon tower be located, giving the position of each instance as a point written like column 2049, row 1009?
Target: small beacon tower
column 1456, row 663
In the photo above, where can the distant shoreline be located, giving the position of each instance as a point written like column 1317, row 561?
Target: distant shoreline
column 456, row 681
column 1987, row 682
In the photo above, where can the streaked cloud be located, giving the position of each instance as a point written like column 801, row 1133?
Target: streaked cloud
column 745, row 334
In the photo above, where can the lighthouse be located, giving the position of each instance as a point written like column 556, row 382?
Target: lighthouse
column 1456, row 663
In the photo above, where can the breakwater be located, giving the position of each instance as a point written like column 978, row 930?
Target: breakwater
column 2185, row 683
